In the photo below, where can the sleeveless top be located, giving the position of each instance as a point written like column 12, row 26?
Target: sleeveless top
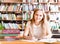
column 35, row 31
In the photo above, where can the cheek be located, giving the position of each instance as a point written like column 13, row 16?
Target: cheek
column 35, row 17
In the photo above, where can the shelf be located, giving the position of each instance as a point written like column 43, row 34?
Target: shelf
column 25, row 20
column 42, row 2
column 54, row 11
column 29, row 3
column 53, row 3
column 55, row 34
column 12, row 21
column 11, row 12
column 11, row 1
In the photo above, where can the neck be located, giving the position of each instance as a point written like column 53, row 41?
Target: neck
column 37, row 23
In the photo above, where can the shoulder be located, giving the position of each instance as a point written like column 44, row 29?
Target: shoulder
column 47, row 25
column 28, row 23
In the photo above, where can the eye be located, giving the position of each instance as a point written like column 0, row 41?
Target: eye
column 40, row 15
column 36, row 14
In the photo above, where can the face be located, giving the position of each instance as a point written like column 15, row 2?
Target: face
column 38, row 16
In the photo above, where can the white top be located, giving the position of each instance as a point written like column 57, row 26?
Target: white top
column 36, row 31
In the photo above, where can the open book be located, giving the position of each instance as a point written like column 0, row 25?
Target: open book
column 42, row 40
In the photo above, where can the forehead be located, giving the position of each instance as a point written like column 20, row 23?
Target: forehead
column 39, row 12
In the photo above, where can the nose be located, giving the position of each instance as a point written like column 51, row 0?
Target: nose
column 38, row 17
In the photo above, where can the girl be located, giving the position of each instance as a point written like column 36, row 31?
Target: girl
column 38, row 27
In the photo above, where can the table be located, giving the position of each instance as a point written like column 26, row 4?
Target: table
column 25, row 42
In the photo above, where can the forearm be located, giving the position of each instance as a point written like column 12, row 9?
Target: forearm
column 27, row 37
column 47, row 36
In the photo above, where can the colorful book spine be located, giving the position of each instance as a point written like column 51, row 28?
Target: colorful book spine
column 11, row 31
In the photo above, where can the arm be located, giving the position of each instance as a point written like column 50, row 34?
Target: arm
column 48, row 31
column 26, row 32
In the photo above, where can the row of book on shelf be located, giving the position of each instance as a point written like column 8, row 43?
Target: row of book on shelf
column 55, row 25
column 35, row 1
column 13, row 1
column 27, row 15
column 10, row 17
column 24, row 7
column 55, row 8
column 24, row 0
column 41, row 1
column 55, row 16
column 10, row 26
column 45, row 7
column 11, row 7
column 30, row 0
column 29, row 7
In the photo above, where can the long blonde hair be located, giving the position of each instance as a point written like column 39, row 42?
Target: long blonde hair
column 43, row 21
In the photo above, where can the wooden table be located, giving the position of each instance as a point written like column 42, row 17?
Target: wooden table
column 25, row 42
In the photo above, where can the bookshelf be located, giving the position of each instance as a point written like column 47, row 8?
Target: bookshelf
column 10, row 18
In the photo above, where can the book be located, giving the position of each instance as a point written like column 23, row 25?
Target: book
column 11, row 31
column 6, row 26
column 10, row 8
column 13, row 16
column 30, row 7
column 54, row 8
column 10, row 16
column 19, row 17
column 0, row 16
column 2, row 7
column 15, row 26
column 15, row 7
column 5, row 7
column 11, row 25
column 19, row 26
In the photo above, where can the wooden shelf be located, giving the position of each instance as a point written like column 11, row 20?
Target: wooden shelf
column 12, row 21
column 53, row 2
column 54, row 11
column 11, row 12
column 11, row 1
column 42, row 2
column 25, row 20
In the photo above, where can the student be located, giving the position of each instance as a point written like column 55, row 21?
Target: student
column 38, row 27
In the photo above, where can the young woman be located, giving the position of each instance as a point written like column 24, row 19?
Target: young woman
column 38, row 27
